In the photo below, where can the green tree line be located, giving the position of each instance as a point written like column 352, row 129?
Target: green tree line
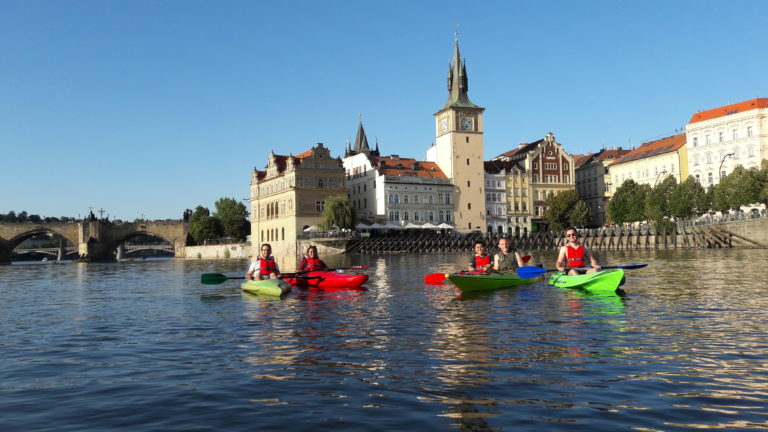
column 230, row 220
column 23, row 216
column 633, row 202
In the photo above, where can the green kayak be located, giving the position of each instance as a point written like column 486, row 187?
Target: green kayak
column 468, row 282
column 602, row 281
column 273, row 287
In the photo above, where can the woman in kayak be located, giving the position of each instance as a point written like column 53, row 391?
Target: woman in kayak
column 575, row 254
column 265, row 266
column 311, row 262
column 507, row 260
column 480, row 261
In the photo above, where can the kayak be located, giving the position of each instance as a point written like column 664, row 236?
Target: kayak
column 273, row 287
column 601, row 281
column 486, row 281
column 325, row 279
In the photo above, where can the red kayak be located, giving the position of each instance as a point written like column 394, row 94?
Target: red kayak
column 325, row 279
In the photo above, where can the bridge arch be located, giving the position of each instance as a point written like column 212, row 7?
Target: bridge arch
column 16, row 240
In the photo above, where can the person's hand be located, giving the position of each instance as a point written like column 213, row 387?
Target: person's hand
column 597, row 266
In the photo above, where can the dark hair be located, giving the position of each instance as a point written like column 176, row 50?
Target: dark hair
column 572, row 228
column 479, row 242
column 266, row 244
column 312, row 247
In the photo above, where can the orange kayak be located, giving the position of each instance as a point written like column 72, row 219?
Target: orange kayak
column 325, row 279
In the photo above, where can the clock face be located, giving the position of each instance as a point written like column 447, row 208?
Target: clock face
column 466, row 123
column 444, row 125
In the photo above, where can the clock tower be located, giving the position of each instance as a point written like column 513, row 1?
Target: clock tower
column 459, row 147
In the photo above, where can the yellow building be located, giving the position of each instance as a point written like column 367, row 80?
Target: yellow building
column 652, row 162
column 289, row 197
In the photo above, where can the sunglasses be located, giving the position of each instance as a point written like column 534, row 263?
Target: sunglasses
column 571, row 235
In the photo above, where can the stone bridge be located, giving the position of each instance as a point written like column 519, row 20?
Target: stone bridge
column 95, row 240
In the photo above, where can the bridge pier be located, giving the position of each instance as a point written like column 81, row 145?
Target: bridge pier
column 5, row 252
column 120, row 251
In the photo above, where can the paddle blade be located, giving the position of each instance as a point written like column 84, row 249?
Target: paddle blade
column 213, row 278
column 434, row 278
column 526, row 258
column 632, row 266
column 528, row 272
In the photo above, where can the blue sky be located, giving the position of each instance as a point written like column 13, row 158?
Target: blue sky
column 152, row 107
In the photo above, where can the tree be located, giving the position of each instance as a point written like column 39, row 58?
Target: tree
column 203, row 226
column 338, row 212
column 233, row 217
column 739, row 188
column 628, row 202
column 657, row 201
column 688, row 199
column 580, row 214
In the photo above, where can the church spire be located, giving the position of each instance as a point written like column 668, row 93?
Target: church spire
column 361, row 141
column 458, row 83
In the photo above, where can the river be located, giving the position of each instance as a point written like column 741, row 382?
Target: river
column 143, row 346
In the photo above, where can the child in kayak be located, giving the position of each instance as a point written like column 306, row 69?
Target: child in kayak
column 507, row 260
column 575, row 254
column 312, row 262
column 480, row 261
column 265, row 266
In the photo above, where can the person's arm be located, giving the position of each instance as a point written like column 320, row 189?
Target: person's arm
column 496, row 261
column 519, row 259
column 472, row 263
column 249, row 274
column 592, row 259
column 303, row 265
column 561, row 259
column 277, row 271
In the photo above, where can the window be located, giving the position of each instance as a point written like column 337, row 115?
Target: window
column 415, row 199
column 468, row 183
column 709, row 177
column 440, row 198
column 469, row 206
column 749, row 131
column 720, row 137
column 525, row 207
column 365, row 202
column 535, row 165
column 750, row 151
column 467, row 161
column 320, row 183
column 440, row 216
column 416, row 216
column 722, row 174
column 405, row 199
column 319, row 206
column 695, row 159
column 447, row 198
column 735, row 134
column 709, row 158
column 698, row 178
column 707, row 139
column 447, row 216
column 431, row 216
column 695, row 142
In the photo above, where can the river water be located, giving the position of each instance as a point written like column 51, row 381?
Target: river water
column 144, row 346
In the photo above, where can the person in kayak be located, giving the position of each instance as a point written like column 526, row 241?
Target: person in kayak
column 507, row 260
column 265, row 266
column 575, row 254
column 480, row 261
column 311, row 262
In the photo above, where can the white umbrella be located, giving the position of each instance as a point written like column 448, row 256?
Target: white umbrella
column 429, row 225
column 361, row 226
column 311, row 228
column 444, row 226
column 375, row 226
column 391, row 225
column 412, row 226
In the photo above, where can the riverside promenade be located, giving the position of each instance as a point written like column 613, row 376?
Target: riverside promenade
column 737, row 231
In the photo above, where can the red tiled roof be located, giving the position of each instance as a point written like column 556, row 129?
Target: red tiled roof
column 730, row 109
column 579, row 160
column 653, row 148
column 403, row 166
column 303, row 155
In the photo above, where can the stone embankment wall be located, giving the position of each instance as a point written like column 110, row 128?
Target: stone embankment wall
column 220, row 251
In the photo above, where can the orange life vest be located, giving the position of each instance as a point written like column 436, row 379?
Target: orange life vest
column 484, row 261
column 575, row 256
column 267, row 266
column 313, row 264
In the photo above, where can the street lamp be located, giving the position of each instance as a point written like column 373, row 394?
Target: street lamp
column 720, row 170
column 657, row 177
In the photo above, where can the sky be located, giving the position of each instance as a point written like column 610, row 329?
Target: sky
column 146, row 108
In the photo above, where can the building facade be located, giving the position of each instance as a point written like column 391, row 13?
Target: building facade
column 289, row 195
column 496, row 206
column 391, row 189
column 593, row 181
column 458, row 149
column 550, row 170
column 722, row 138
column 652, row 162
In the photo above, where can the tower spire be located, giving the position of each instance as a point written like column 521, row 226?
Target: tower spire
column 361, row 141
column 458, row 82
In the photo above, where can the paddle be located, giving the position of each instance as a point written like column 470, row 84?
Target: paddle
column 532, row 272
column 438, row 278
column 217, row 278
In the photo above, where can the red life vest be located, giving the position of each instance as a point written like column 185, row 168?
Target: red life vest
column 484, row 261
column 575, row 256
column 267, row 266
column 313, row 264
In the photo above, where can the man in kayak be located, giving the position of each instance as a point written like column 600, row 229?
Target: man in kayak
column 480, row 261
column 265, row 266
column 575, row 254
column 507, row 260
column 311, row 262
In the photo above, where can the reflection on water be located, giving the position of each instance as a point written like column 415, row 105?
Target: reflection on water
column 103, row 346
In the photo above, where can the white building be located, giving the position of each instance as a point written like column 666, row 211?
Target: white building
column 496, row 207
column 651, row 162
column 394, row 189
column 719, row 139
